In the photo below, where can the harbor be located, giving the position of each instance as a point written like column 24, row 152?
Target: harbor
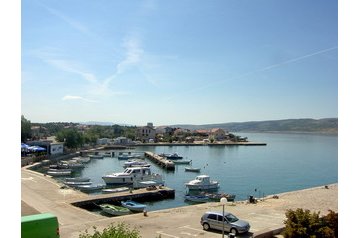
column 42, row 194
column 160, row 160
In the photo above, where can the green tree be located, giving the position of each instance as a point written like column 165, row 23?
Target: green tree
column 304, row 224
column 121, row 230
column 25, row 129
column 71, row 137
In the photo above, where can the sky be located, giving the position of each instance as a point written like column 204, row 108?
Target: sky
column 178, row 62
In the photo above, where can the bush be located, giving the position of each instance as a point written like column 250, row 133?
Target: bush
column 301, row 224
column 121, row 230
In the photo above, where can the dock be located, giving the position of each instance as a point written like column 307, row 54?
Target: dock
column 160, row 160
column 140, row 195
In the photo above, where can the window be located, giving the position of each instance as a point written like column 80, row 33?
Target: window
column 212, row 216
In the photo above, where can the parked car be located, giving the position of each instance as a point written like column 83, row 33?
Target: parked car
column 232, row 224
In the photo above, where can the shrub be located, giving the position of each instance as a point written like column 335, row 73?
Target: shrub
column 301, row 224
column 121, row 230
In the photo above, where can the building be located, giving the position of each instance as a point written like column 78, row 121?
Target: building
column 145, row 133
column 56, row 148
column 218, row 133
column 122, row 141
column 103, row 141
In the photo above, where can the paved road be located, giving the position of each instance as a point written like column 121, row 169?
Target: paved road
column 44, row 194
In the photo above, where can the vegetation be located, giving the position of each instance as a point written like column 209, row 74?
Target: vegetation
column 25, row 129
column 304, row 224
column 121, row 230
column 71, row 138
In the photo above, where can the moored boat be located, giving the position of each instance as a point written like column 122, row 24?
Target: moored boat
column 197, row 198
column 202, row 182
column 192, row 169
column 95, row 156
column 135, row 163
column 182, row 161
column 129, row 175
column 75, row 184
column 59, row 172
column 114, row 210
column 133, row 206
column 217, row 196
column 77, row 179
column 173, row 156
column 145, row 184
column 115, row 190
column 89, row 188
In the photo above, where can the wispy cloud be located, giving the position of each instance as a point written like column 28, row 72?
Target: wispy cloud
column 72, row 22
column 71, row 97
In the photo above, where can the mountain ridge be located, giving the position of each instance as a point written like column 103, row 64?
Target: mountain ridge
column 306, row 125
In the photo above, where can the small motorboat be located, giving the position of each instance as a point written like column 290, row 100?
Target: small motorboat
column 174, row 156
column 95, row 156
column 75, row 184
column 145, row 184
column 83, row 160
column 59, row 172
column 133, row 206
column 217, row 196
column 192, row 169
column 89, row 188
column 135, row 163
column 197, row 198
column 202, row 182
column 77, row 179
column 114, row 210
column 115, row 190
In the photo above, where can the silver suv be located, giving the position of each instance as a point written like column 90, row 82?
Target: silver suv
column 232, row 224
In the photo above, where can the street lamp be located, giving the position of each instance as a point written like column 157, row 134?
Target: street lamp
column 223, row 201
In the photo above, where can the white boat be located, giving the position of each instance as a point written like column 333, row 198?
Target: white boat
column 75, row 184
column 202, row 182
column 88, row 188
column 114, row 210
column 95, row 156
column 115, row 190
column 83, row 160
column 145, row 184
column 192, row 169
column 135, row 163
column 128, row 156
column 131, row 174
column 59, row 172
column 77, row 179
column 133, row 206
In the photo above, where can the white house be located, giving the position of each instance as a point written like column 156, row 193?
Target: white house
column 145, row 133
column 103, row 141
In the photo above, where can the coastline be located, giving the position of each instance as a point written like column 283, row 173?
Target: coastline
column 44, row 194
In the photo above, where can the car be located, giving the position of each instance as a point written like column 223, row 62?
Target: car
column 232, row 224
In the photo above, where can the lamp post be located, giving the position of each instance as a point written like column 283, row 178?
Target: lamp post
column 223, row 201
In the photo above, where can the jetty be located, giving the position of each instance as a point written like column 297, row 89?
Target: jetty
column 160, row 160
column 140, row 195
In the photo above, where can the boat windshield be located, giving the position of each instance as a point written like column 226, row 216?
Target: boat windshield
column 231, row 218
column 127, row 171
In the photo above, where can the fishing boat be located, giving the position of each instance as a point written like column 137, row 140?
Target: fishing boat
column 129, row 175
column 115, row 190
column 133, row 206
column 202, row 182
column 192, row 169
column 89, row 188
column 197, row 198
column 114, row 210
column 77, row 179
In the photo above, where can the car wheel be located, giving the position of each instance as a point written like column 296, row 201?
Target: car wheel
column 206, row 226
column 233, row 231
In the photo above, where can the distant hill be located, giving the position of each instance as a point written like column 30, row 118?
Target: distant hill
column 100, row 123
column 326, row 126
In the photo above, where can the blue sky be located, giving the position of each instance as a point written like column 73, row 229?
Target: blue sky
column 171, row 62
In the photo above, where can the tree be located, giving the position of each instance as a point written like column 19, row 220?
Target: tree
column 302, row 223
column 121, row 230
column 25, row 129
column 71, row 137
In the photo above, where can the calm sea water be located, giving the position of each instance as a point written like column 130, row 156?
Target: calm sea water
column 288, row 162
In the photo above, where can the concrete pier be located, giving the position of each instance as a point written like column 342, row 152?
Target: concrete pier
column 160, row 160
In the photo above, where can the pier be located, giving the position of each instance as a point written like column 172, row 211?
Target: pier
column 141, row 195
column 160, row 160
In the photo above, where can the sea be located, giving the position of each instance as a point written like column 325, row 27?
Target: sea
column 288, row 162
